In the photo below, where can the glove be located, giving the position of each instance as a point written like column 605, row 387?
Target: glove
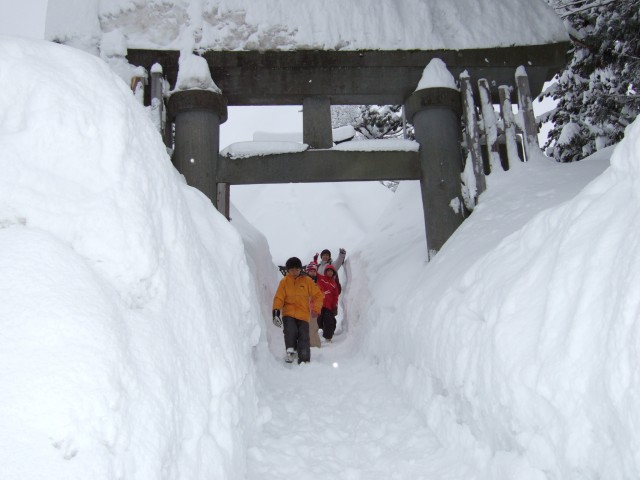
column 277, row 321
column 343, row 251
column 315, row 258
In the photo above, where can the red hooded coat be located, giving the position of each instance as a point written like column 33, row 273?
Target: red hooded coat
column 329, row 287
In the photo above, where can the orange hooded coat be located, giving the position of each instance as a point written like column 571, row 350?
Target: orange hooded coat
column 293, row 295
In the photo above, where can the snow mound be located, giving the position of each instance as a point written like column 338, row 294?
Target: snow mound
column 126, row 333
column 527, row 342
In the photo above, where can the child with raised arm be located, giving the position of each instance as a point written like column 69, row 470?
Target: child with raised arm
column 329, row 287
column 325, row 259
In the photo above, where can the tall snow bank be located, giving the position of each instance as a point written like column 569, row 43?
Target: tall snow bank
column 264, row 271
column 528, row 342
column 127, row 313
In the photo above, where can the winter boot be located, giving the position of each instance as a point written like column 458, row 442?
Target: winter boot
column 291, row 355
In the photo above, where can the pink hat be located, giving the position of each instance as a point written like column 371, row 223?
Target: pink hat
column 313, row 266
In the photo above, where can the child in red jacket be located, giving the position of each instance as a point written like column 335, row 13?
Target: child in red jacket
column 327, row 318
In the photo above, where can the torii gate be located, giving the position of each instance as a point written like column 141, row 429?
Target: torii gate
column 316, row 80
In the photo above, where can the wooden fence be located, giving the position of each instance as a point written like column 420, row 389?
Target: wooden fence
column 496, row 140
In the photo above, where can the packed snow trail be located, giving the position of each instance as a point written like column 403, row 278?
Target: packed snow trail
column 338, row 417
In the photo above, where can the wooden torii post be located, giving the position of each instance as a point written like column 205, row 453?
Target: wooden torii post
column 318, row 79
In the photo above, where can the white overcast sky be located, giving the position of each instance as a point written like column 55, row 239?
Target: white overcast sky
column 25, row 18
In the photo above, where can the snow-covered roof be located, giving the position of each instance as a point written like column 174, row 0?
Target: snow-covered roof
column 307, row 24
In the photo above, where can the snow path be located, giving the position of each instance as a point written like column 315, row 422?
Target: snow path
column 342, row 422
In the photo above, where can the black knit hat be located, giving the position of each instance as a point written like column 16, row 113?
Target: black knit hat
column 293, row 262
column 325, row 251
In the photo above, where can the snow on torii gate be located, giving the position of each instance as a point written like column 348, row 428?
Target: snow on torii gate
column 317, row 79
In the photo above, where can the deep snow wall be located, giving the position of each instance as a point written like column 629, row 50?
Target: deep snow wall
column 519, row 340
column 265, row 279
column 127, row 313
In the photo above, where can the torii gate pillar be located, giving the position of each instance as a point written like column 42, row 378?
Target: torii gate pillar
column 435, row 114
column 197, row 115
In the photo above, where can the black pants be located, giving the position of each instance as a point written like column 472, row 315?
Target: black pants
column 296, row 335
column 327, row 322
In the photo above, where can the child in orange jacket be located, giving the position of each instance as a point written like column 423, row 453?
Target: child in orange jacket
column 292, row 299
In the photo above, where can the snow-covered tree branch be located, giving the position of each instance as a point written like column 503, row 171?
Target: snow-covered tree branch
column 597, row 92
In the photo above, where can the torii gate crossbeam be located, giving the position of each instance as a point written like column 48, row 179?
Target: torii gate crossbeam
column 320, row 166
column 318, row 79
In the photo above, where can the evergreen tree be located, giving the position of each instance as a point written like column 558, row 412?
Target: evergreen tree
column 344, row 115
column 374, row 122
column 598, row 91
column 381, row 121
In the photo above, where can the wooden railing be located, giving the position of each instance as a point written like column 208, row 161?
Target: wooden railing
column 497, row 140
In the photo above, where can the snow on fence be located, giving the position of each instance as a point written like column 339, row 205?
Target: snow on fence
column 497, row 140
column 158, row 89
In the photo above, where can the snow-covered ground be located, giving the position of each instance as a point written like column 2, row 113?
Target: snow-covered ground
column 467, row 353
column 135, row 332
